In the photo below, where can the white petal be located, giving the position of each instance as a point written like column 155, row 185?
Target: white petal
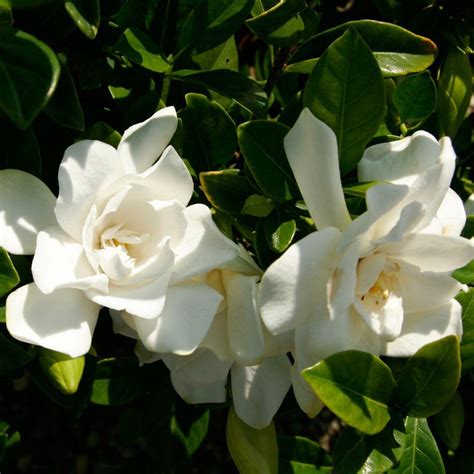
column 123, row 323
column 368, row 271
column 294, row 287
column 424, row 327
column 217, row 339
column 451, row 215
column 144, row 142
column 87, row 169
column 279, row 344
column 305, row 396
column 184, row 321
column 200, row 377
column 204, row 247
column 144, row 356
column 311, row 148
column 27, row 206
column 258, row 391
column 63, row 321
column 60, row 262
column 431, row 252
column 401, row 160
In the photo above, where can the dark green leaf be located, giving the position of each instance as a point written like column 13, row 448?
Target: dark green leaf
column 356, row 386
column 298, row 455
column 415, row 98
column 246, row 92
column 346, row 91
column 64, row 107
column 209, row 136
column 29, row 73
column 23, row 3
column 454, row 91
column 286, row 23
column 85, row 14
column 449, row 422
column 430, row 377
column 258, row 206
column 397, row 50
column 193, row 432
column 223, row 56
column 140, row 49
column 226, row 190
column 279, row 232
column 421, row 454
column 467, row 341
column 6, row 18
column 3, row 314
column 12, row 356
column 261, row 143
column 8, row 275
column 465, row 274
column 103, row 132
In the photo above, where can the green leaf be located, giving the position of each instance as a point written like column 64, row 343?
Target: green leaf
column 23, row 3
column 142, row 50
column 430, row 377
column 253, row 451
column 346, row 91
column 64, row 106
column 63, row 371
column 226, row 190
column 117, row 381
column 211, row 22
column 298, row 455
column 465, row 274
column 8, row 275
column 261, row 142
column 356, row 386
column 246, row 92
column 85, row 14
column 467, row 341
column 258, row 206
column 279, row 232
column 209, row 136
column 29, row 73
column 421, row 454
column 12, row 356
column 103, row 132
column 223, row 56
column 397, row 50
column 6, row 18
column 192, row 432
column 449, row 422
column 415, row 98
column 286, row 23
column 454, row 91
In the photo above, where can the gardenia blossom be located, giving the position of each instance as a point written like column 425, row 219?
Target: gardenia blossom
column 237, row 342
column 118, row 235
column 380, row 283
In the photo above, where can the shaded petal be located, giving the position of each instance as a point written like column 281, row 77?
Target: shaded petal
column 144, row 142
column 60, row 262
column 311, row 148
column 122, row 323
column 217, row 339
column 469, row 205
column 294, row 287
column 258, row 391
column 368, row 271
column 27, row 206
column 243, row 320
column 424, row 327
column 63, row 321
column 87, row 169
column 144, row 356
column 184, row 321
column 305, row 396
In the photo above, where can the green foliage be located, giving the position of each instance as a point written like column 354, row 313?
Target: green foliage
column 449, row 422
column 85, row 14
column 467, row 342
column 8, row 275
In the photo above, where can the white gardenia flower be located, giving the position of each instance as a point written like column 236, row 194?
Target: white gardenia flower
column 380, row 283
column 237, row 342
column 119, row 235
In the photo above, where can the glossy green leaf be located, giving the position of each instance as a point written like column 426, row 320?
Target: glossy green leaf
column 397, row 50
column 103, row 132
column 430, row 377
column 279, row 232
column 63, row 371
column 192, row 433
column 356, row 386
column 8, row 275
column 226, row 190
column 209, row 136
column 29, row 73
column 415, row 98
column 286, row 23
column 253, row 451
column 85, row 14
column 421, row 454
column 223, row 56
column 467, row 341
column 465, row 274
column 346, row 91
column 12, row 356
column 142, row 50
column 64, row 106
column 299, row 455
column 261, row 142
column 210, row 22
column 246, row 92
column 449, row 422
column 454, row 91
column 258, row 206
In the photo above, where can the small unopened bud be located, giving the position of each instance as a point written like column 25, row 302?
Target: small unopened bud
column 253, row 451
